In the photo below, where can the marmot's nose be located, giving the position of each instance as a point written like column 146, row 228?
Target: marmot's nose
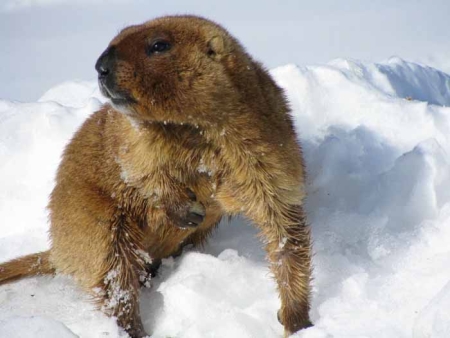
column 105, row 63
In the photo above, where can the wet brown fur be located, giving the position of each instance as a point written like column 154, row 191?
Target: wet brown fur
column 205, row 116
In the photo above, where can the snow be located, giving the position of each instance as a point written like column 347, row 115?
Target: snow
column 35, row 327
column 376, row 144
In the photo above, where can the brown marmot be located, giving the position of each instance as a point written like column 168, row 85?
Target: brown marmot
column 196, row 130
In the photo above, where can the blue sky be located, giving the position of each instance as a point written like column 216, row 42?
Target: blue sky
column 45, row 42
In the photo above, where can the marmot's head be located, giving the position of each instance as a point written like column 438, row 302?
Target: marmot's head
column 176, row 69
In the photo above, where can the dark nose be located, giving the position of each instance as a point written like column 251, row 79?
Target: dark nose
column 105, row 63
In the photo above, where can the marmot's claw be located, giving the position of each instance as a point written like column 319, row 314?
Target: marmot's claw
column 190, row 216
column 195, row 215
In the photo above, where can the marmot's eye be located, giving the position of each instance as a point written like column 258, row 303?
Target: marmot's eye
column 158, row 46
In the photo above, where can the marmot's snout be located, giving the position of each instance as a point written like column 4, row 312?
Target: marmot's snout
column 106, row 69
column 105, row 63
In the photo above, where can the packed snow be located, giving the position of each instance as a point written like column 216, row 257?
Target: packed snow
column 376, row 139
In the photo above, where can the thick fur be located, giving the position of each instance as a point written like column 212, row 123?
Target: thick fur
column 204, row 117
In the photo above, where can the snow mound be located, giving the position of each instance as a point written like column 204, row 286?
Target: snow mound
column 376, row 144
column 36, row 327
column 32, row 137
column 73, row 93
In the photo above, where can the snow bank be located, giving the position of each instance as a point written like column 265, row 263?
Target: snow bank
column 376, row 142
column 17, row 327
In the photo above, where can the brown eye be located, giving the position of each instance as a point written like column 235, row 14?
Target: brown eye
column 157, row 47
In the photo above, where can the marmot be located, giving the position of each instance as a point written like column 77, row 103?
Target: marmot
column 196, row 129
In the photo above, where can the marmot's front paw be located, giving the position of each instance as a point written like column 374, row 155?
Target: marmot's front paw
column 195, row 215
column 188, row 215
column 293, row 325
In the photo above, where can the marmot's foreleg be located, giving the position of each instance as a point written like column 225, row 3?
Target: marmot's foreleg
column 117, row 291
column 289, row 253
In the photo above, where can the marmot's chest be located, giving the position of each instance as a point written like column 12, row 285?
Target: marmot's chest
column 176, row 153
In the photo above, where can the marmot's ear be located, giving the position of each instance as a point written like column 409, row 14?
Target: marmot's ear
column 216, row 48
